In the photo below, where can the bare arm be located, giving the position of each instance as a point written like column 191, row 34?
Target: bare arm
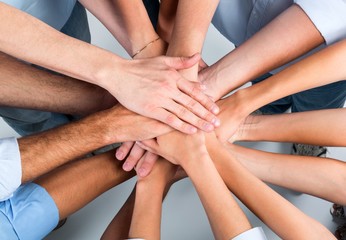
column 29, row 39
column 129, row 23
column 287, row 37
column 71, row 141
column 321, row 128
column 288, row 223
column 326, row 176
column 303, row 75
column 25, row 86
column 225, row 216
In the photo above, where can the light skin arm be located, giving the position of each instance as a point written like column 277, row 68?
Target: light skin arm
column 285, row 38
column 225, row 216
column 256, row 195
column 76, row 139
column 288, row 223
column 326, row 177
column 320, row 128
column 303, row 75
column 33, row 41
column 132, row 29
column 187, row 37
column 43, row 90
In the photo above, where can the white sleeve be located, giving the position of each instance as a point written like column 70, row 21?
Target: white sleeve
column 10, row 167
column 253, row 234
column 329, row 17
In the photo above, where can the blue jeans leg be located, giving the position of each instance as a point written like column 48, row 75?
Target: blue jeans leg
column 152, row 7
column 324, row 97
column 26, row 122
column 278, row 106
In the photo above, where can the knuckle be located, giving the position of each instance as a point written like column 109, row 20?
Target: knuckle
column 170, row 119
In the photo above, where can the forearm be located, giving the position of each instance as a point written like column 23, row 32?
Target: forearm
column 285, row 38
column 301, row 76
column 31, row 40
column 326, row 176
column 42, row 90
column 190, row 28
column 226, row 217
column 166, row 21
column 260, row 199
column 128, row 21
column 74, row 140
column 312, row 127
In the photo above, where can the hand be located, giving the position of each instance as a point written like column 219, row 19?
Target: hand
column 232, row 117
column 143, row 161
column 208, row 77
column 119, row 124
column 153, row 88
column 178, row 147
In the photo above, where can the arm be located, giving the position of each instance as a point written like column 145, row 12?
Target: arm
column 31, row 40
column 303, row 75
column 325, row 176
column 225, row 216
column 288, row 223
column 312, row 127
column 37, row 89
column 287, row 37
column 188, row 36
column 76, row 139
column 150, row 191
column 132, row 29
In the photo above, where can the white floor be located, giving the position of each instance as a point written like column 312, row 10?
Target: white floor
column 183, row 215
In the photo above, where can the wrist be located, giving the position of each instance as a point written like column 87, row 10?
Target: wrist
column 110, row 73
column 157, row 48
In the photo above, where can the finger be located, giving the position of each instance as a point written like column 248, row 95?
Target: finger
column 172, row 120
column 186, row 115
column 202, row 65
column 146, row 164
column 180, row 63
column 150, row 145
column 124, row 150
column 134, row 156
column 192, row 89
column 196, row 108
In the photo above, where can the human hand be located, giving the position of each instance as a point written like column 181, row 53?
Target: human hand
column 143, row 161
column 153, row 88
column 232, row 116
column 178, row 147
column 119, row 124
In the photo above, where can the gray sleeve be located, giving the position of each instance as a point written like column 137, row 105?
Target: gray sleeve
column 329, row 17
column 10, row 167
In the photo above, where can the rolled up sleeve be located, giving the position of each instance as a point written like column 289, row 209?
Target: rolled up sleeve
column 329, row 17
column 10, row 167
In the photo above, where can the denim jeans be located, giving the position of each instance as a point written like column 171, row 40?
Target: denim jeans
column 325, row 97
column 26, row 122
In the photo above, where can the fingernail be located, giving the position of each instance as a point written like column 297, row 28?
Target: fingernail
column 119, row 155
column 127, row 166
column 141, row 172
column 192, row 129
column 216, row 122
column 208, row 127
column 215, row 110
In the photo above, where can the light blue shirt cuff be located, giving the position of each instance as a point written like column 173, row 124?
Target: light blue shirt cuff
column 11, row 167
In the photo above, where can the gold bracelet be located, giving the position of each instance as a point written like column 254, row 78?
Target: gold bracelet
column 140, row 50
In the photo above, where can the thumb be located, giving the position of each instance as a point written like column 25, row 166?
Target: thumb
column 180, row 63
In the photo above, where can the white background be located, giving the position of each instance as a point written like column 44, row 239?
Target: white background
column 183, row 214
